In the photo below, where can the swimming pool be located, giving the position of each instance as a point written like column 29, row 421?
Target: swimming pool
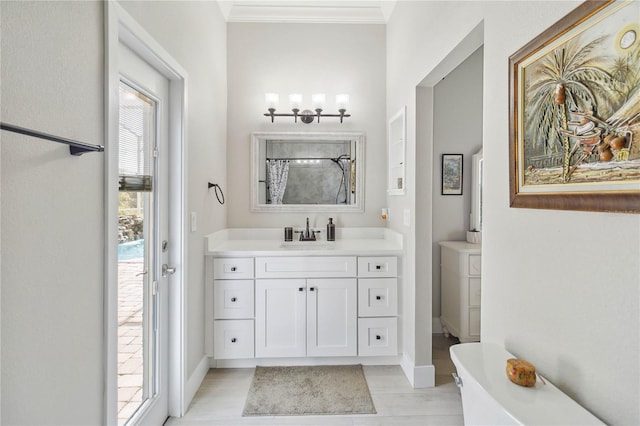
column 131, row 250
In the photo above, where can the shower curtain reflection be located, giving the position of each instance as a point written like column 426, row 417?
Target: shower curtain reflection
column 277, row 175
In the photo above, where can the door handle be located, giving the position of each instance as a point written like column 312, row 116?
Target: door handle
column 166, row 270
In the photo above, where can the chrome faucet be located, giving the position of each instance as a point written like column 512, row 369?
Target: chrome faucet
column 308, row 234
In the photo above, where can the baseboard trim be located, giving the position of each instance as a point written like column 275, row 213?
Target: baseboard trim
column 194, row 382
column 279, row 362
column 421, row 376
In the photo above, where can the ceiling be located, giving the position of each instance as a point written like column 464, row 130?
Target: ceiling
column 308, row 11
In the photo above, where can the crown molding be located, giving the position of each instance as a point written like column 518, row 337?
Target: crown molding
column 297, row 11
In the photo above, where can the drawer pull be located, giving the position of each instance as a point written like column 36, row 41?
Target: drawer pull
column 233, row 299
column 300, row 288
column 378, row 337
column 234, row 340
column 378, row 297
column 234, row 268
column 378, row 267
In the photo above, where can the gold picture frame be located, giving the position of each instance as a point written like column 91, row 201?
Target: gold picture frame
column 574, row 106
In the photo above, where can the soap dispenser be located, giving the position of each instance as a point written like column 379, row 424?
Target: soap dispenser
column 331, row 230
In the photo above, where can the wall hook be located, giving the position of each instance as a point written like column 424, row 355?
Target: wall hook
column 218, row 191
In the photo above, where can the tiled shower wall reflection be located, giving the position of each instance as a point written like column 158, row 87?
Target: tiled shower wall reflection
column 313, row 177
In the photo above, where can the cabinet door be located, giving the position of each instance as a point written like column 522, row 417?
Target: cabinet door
column 280, row 318
column 332, row 325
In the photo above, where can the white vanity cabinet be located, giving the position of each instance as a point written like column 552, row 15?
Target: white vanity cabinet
column 266, row 307
column 233, row 308
column 377, row 306
column 460, row 272
column 304, row 316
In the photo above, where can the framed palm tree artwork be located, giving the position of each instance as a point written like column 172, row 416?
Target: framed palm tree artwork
column 575, row 112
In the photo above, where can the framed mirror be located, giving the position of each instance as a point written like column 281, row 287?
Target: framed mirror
column 307, row 172
column 476, row 192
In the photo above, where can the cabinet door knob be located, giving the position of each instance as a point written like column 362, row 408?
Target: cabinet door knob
column 312, row 289
column 378, row 337
column 300, row 288
column 234, row 340
column 233, row 299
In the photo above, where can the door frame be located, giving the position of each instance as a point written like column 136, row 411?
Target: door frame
column 121, row 27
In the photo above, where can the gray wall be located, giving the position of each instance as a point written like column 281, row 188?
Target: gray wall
column 576, row 321
column 52, row 217
column 457, row 129
column 52, row 214
column 306, row 59
column 202, row 52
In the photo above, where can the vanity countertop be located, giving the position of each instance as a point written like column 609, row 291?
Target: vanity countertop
column 270, row 242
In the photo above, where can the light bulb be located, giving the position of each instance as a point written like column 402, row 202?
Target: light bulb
column 342, row 101
column 295, row 101
column 271, row 100
column 317, row 101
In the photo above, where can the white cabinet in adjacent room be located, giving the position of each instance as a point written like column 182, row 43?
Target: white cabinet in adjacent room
column 460, row 289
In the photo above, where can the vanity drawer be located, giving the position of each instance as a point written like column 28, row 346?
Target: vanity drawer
column 305, row 267
column 377, row 266
column 474, row 291
column 377, row 297
column 474, row 322
column 377, row 336
column 232, row 268
column 233, row 339
column 233, row 299
column 475, row 265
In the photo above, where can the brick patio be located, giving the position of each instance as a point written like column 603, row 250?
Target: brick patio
column 130, row 348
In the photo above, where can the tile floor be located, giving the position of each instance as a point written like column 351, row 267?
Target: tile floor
column 221, row 398
column 130, row 362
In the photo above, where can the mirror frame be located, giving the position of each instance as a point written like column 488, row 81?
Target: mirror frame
column 477, row 176
column 358, row 137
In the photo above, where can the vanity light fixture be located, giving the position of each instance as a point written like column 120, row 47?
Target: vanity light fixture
column 306, row 116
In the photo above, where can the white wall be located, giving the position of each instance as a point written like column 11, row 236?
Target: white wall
column 52, row 214
column 52, row 204
column 580, row 322
column 457, row 129
column 307, row 59
column 575, row 319
column 415, row 48
column 194, row 33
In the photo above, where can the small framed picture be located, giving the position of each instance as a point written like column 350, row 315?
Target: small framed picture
column 451, row 174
